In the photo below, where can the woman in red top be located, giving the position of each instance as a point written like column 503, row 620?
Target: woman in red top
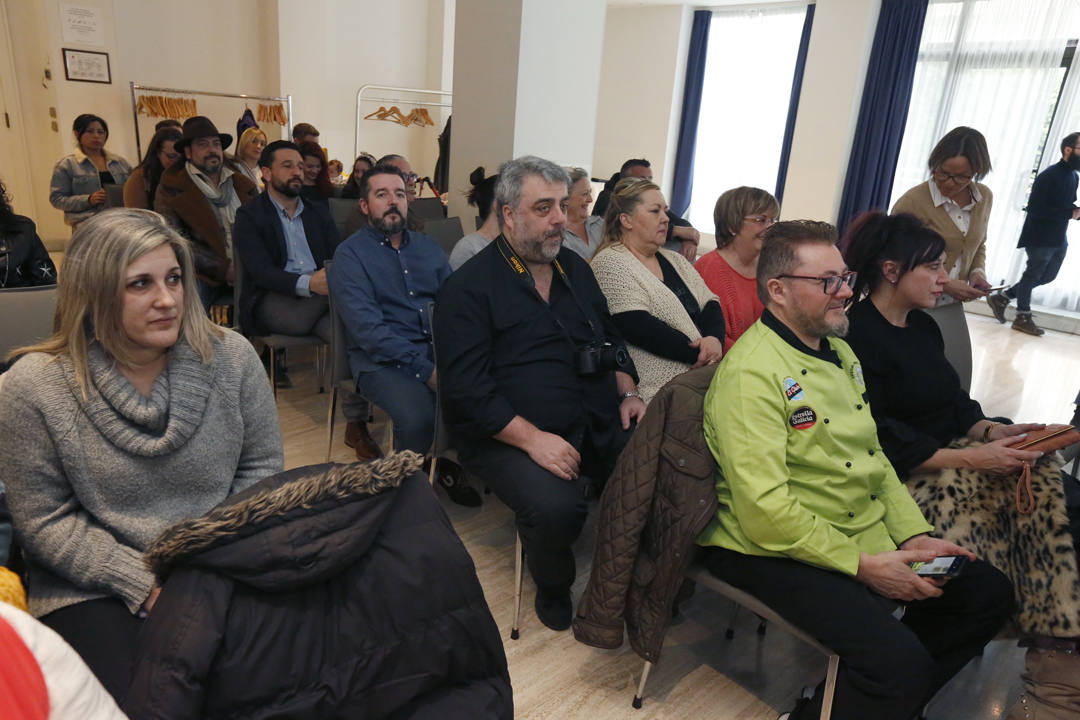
column 741, row 216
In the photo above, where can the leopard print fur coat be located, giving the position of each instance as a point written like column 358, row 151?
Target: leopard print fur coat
column 977, row 510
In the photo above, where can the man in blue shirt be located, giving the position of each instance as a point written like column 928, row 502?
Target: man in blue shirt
column 283, row 246
column 384, row 279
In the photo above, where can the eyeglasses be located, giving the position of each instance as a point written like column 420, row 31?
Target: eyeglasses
column 760, row 219
column 942, row 176
column 411, row 178
column 831, row 283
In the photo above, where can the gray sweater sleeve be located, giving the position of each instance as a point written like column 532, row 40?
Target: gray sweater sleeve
column 67, row 540
column 262, row 453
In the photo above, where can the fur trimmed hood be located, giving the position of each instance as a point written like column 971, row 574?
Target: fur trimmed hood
column 291, row 529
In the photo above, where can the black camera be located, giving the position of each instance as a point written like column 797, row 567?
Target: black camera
column 598, row 358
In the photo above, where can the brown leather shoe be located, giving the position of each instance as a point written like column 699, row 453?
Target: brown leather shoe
column 358, row 438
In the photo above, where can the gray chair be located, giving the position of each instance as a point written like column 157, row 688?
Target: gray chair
column 440, row 447
column 427, row 209
column 339, row 211
column 445, row 232
column 274, row 341
column 700, row 574
column 26, row 316
column 340, row 376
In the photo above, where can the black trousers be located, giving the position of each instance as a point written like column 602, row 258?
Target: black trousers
column 549, row 511
column 889, row 669
column 105, row 635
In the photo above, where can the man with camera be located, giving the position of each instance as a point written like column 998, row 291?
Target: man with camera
column 536, row 383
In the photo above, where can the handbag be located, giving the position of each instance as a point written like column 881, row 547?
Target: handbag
column 1051, row 439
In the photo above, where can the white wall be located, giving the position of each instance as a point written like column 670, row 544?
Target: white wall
column 329, row 49
column 836, row 60
column 641, row 84
column 557, row 84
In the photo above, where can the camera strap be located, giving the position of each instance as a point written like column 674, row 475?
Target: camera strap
column 521, row 270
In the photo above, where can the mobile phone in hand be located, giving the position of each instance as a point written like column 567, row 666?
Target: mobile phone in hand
column 945, row 566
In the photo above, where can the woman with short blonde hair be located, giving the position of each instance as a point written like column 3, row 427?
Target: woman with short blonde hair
column 741, row 217
column 136, row 413
column 671, row 321
column 248, row 150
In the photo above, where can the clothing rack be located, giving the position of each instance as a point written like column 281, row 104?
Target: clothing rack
column 136, row 88
column 361, row 97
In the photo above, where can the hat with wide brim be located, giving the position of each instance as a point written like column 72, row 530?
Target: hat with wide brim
column 200, row 126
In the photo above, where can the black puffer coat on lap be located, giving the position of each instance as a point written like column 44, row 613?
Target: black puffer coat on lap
column 330, row 591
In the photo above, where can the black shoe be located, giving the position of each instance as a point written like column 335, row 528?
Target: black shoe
column 449, row 476
column 555, row 609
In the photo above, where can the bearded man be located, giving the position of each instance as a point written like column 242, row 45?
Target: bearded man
column 538, row 389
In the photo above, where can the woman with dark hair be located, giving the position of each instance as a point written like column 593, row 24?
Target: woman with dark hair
column 481, row 197
column 137, row 412
column 316, row 185
column 79, row 180
column 959, row 465
column 741, row 216
column 363, row 163
column 24, row 261
column 957, row 206
column 160, row 156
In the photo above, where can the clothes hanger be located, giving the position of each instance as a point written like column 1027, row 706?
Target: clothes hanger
column 376, row 115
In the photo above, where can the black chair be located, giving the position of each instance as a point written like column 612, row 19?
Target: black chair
column 274, row 341
column 427, row 209
column 446, row 232
column 339, row 211
column 26, row 316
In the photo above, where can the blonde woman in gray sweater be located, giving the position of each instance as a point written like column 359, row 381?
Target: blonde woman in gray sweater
column 136, row 413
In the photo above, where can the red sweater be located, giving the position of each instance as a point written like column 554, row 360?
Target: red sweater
column 738, row 295
column 23, row 695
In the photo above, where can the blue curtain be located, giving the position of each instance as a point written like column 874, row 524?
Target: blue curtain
column 793, row 103
column 883, row 112
column 691, row 109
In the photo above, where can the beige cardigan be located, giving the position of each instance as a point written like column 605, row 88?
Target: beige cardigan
column 919, row 203
column 628, row 285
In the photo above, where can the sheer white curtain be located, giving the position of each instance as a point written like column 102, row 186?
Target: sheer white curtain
column 744, row 102
column 997, row 66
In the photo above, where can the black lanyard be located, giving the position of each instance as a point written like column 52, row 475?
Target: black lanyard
column 520, row 270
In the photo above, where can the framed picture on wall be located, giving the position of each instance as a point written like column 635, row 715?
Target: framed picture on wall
column 87, row 66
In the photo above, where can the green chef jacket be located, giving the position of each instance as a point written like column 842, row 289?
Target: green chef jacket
column 801, row 472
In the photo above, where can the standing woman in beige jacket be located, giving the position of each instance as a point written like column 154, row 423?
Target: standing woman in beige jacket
column 957, row 206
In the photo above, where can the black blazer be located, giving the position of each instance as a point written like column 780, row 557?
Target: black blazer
column 1050, row 207
column 260, row 241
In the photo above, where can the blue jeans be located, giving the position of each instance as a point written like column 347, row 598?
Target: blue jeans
column 1042, row 267
column 409, row 402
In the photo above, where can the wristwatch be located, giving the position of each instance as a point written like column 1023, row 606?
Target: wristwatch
column 630, row 394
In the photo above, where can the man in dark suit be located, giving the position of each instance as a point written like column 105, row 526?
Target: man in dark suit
column 284, row 245
column 1051, row 205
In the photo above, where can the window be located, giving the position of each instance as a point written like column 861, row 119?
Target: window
column 1004, row 69
column 749, row 68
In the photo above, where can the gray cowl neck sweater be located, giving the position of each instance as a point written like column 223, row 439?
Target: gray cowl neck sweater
column 91, row 483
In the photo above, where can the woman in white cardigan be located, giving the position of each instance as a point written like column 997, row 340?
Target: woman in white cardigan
column 671, row 321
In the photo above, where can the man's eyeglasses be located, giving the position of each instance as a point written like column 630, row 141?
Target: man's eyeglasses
column 411, row 178
column 942, row 176
column 831, row 283
column 760, row 219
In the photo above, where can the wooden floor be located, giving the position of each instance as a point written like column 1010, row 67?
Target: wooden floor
column 701, row 674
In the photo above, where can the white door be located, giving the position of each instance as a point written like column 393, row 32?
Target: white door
column 14, row 162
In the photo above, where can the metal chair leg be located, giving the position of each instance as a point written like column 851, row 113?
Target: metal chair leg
column 830, row 687
column 519, row 561
column 431, row 471
column 730, row 632
column 330, row 424
column 641, row 685
column 320, row 365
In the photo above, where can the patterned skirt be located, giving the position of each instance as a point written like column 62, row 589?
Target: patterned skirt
column 977, row 510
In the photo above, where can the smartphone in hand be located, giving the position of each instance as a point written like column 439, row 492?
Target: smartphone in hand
column 946, row 566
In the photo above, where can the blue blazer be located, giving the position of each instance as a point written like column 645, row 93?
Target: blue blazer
column 1050, row 207
column 260, row 242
